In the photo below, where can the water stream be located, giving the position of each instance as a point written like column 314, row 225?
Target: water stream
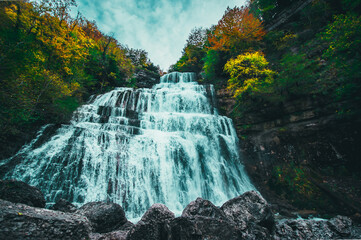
column 137, row 147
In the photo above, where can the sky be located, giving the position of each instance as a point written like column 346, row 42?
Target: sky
column 161, row 27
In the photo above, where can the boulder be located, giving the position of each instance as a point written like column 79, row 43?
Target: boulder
column 152, row 224
column 104, row 217
column 249, row 208
column 115, row 235
column 20, row 192
column 200, row 227
column 19, row 221
column 64, row 206
column 338, row 227
column 202, row 207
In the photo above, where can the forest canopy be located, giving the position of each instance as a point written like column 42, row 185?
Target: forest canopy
column 50, row 62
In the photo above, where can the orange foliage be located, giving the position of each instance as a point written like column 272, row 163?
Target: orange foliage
column 236, row 25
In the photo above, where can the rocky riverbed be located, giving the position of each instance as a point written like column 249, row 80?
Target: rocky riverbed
column 249, row 216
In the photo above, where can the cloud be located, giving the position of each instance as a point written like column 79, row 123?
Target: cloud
column 161, row 27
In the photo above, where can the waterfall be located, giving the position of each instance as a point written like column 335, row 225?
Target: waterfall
column 137, row 147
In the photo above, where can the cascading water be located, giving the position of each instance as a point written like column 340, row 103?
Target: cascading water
column 138, row 147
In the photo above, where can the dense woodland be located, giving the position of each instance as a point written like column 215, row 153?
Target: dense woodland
column 51, row 62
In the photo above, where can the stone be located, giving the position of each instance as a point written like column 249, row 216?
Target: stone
column 336, row 228
column 115, row 235
column 152, row 224
column 250, row 207
column 202, row 207
column 341, row 225
column 200, row 227
column 20, row 221
column 20, row 192
column 104, row 217
column 64, row 206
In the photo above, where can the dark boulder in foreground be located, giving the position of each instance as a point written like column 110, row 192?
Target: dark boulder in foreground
column 152, row 224
column 249, row 208
column 104, row 217
column 64, row 206
column 19, row 221
column 246, row 217
column 203, row 219
column 20, row 192
column 202, row 207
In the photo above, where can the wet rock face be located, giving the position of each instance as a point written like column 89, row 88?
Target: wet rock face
column 104, row 217
column 338, row 227
column 20, row 192
column 152, row 224
column 19, row 221
column 250, row 207
column 202, row 207
column 64, row 206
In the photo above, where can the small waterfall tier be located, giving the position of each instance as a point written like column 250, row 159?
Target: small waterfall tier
column 137, row 147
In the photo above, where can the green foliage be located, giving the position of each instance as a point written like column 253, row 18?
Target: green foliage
column 193, row 53
column 343, row 38
column 296, row 77
column 249, row 76
column 211, row 64
column 292, row 179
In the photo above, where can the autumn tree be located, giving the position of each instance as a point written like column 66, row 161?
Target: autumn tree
column 238, row 30
column 51, row 62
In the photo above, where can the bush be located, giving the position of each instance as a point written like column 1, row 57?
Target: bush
column 249, row 76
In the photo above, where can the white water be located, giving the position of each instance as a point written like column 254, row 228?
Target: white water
column 138, row 147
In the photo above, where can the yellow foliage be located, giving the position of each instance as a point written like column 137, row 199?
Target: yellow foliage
column 249, row 74
column 11, row 12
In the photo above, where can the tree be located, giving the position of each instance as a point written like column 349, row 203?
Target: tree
column 249, row 75
column 197, row 37
column 193, row 52
column 237, row 31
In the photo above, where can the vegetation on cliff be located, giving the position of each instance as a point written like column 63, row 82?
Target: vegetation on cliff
column 316, row 54
column 51, row 62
